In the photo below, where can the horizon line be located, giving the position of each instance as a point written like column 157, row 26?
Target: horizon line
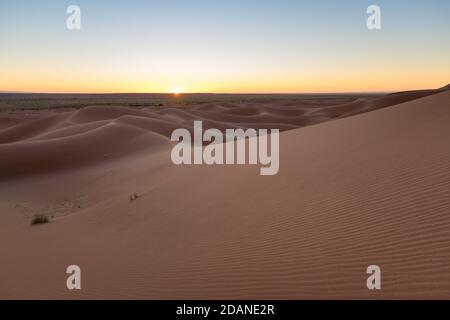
column 206, row 93
column 223, row 93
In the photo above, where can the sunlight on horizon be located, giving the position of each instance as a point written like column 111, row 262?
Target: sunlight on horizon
column 176, row 90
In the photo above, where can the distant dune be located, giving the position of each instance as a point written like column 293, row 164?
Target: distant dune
column 370, row 187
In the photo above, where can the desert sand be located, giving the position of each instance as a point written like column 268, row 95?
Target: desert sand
column 360, row 183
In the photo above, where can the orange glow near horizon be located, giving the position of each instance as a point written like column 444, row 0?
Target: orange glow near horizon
column 169, row 75
column 320, row 83
column 136, row 77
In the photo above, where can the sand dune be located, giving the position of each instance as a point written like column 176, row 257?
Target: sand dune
column 373, row 188
column 68, row 134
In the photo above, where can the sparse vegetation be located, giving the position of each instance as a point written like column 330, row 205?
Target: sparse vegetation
column 39, row 219
column 134, row 196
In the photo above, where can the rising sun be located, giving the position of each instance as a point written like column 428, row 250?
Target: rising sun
column 176, row 90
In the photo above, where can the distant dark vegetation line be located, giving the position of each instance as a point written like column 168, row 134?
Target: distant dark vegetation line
column 32, row 101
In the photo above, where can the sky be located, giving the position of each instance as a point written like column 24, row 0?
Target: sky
column 233, row 46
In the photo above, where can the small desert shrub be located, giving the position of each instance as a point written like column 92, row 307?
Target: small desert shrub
column 39, row 218
column 134, row 196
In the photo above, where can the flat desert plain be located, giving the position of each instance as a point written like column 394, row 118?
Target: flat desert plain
column 362, row 181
